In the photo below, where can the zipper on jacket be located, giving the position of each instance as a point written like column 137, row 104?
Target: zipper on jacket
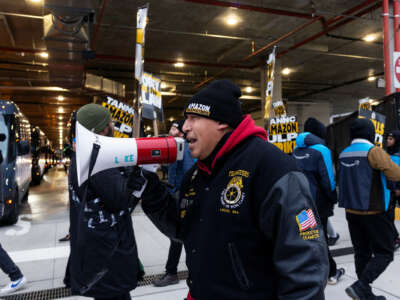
column 238, row 268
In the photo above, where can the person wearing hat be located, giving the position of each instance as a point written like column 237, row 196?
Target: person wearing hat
column 176, row 171
column 315, row 160
column 393, row 148
column 245, row 213
column 363, row 169
column 103, row 261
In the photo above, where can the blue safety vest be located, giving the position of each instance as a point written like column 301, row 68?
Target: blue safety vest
column 355, row 179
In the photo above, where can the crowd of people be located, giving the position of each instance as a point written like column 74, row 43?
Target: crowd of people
column 253, row 221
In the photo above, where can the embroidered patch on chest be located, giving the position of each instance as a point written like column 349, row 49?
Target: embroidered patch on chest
column 232, row 196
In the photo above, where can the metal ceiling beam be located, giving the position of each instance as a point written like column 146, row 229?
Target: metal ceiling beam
column 351, row 11
column 255, row 8
column 34, row 88
column 335, row 86
column 8, row 29
column 328, row 29
column 290, row 33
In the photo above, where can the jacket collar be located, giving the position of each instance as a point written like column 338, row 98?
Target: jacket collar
column 364, row 141
column 245, row 129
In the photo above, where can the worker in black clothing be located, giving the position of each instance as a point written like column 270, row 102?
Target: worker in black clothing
column 245, row 213
column 315, row 160
column 363, row 172
column 103, row 262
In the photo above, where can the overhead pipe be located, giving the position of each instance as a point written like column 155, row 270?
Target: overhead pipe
column 254, row 8
column 364, row 4
column 350, row 11
column 396, row 31
column 259, row 51
column 337, row 86
column 103, row 7
column 166, row 61
column 325, row 31
column 386, row 46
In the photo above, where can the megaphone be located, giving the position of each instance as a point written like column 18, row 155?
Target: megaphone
column 118, row 152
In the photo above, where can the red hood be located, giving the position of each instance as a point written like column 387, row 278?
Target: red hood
column 245, row 129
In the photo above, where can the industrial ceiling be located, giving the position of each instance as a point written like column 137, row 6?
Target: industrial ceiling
column 331, row 50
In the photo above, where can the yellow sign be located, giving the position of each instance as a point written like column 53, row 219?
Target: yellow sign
column 283, row 132
column 270, row 84
column 141, row 22
column 364, row 104
column 379, row 123
column 279, row 108
column 122, row 115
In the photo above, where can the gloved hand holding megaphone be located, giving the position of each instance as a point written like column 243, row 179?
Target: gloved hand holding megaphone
column 117, row 152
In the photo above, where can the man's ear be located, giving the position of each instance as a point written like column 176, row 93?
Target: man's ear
column 223, row 126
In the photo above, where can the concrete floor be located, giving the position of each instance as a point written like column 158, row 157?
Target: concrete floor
column 33, row 244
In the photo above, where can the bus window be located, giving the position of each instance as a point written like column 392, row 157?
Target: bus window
column 5, row 131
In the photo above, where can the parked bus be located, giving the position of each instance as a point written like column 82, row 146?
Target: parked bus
column 39, row 143
column 15, row 168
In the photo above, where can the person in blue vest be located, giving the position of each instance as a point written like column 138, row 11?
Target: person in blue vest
column 363, row 169
column 314, row 159
column 175, row 175
column 393, row 148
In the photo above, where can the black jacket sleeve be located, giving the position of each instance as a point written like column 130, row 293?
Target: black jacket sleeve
column 160, row 206
column 111, row 186
column 300, row 256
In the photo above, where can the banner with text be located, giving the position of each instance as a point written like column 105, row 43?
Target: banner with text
column 279, row 108
column 379, row 124
column 141, row 21
column 283, row 132
column 364, row 103
column 151, row 97
column 270, row 84
column 122, row 115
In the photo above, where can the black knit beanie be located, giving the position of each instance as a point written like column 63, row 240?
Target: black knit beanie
column 315, row 127
column 362, row 129
column 396, row 147
column 218, row 101
column 179, row 125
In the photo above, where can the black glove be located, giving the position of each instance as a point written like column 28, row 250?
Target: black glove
column 136, row 179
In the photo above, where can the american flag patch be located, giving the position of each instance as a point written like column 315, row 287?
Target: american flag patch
column 306, row 220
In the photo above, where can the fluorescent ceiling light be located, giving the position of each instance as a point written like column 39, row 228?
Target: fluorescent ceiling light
column 60, row 98
column 232, row 20
column 370, row 37
column 286, row 71
column 249, row 89
column 60, row 110
column 44, row 55
column 60, row 117
column 179, row 64
column 371, row 78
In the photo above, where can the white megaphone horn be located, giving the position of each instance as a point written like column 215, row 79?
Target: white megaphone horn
column 118, row 152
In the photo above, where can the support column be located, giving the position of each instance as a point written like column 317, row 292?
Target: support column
column 386, row 47
column 396, row 24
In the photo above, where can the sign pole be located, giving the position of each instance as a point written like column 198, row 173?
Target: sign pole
column 141, row 22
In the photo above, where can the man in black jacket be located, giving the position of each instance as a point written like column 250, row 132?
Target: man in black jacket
column 103, row 262
column 245, row 213
column 315, row 160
